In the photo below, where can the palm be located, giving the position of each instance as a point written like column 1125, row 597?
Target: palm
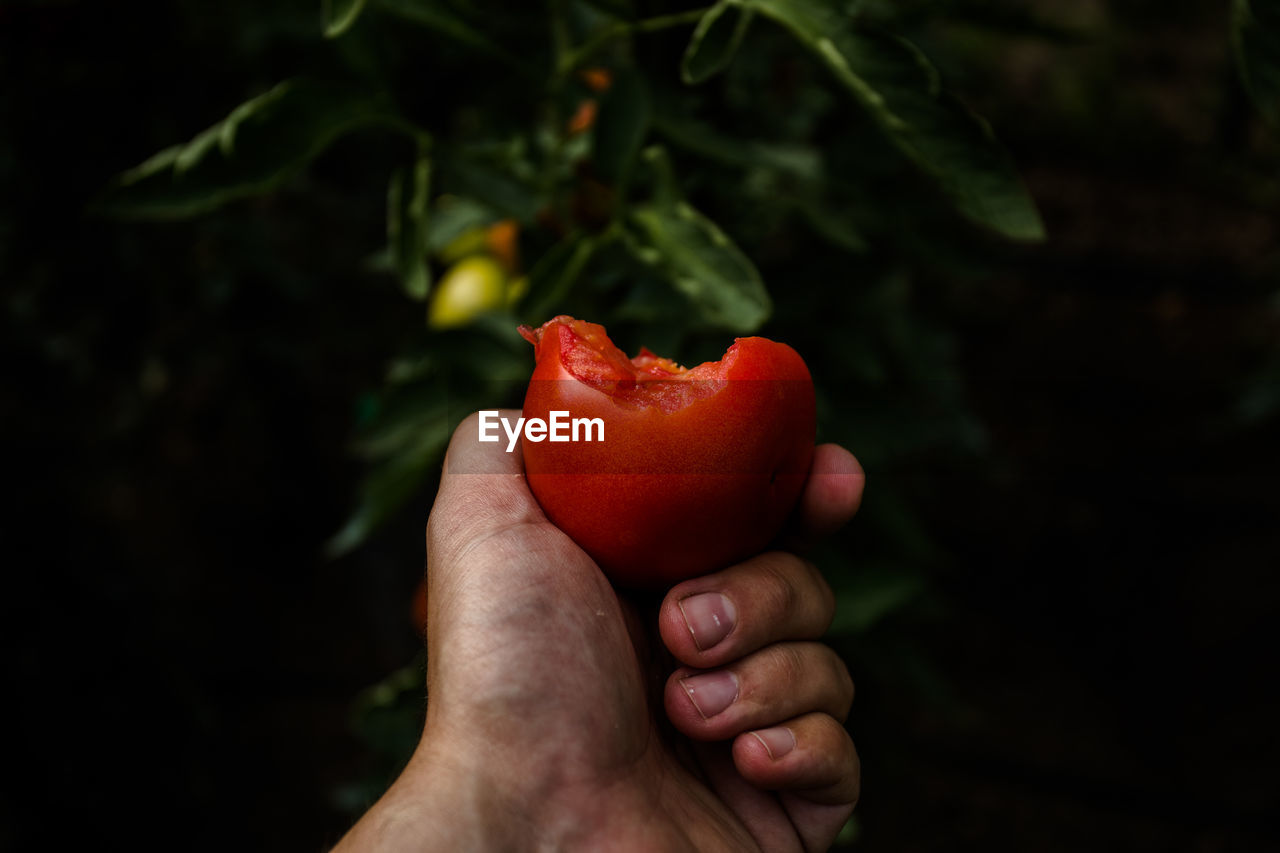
column 582, row 670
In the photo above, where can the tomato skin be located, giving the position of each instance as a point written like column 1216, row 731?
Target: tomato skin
column 698, row 469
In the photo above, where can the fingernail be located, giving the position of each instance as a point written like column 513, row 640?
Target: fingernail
column 777, row 741
column 711, row 693
column 710, row 617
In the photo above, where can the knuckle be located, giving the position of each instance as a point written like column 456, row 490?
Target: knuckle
column 798, row 595
column 780, row 593
column 789, row 664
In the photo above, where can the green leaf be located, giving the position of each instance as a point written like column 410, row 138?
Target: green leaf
column 624, row 9
column 339, row 15
column 662, row 176
column 412, row 442
column 871, row 595
column 701, row 262
column 441, row 16
column 1256, row 38
column 800, row 165
column 621, row 127
column 798, row 161
column 715, row 41
column 407, row 224
column 697, row 258
column 494, row 184
column 388, row 717
column 554, row 275
column 453, row 217
column 424, row 399
column 836, row 229
column 262, row 143
column 901, row 90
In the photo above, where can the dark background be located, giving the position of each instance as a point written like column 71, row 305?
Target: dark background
column 1084, row 667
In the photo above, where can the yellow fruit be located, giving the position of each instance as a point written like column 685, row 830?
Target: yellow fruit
column 471, row 286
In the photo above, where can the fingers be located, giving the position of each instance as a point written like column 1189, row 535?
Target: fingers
column 752, row 674
column 716, row 618
column 812, row 764
column 779, row 682
column 812, row 754
column 782, row 709
column 807, row 758
column 832, row 494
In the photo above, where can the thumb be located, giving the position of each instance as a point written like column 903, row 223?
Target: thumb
column 482, row 492
column 500, row 576
column 487, row 533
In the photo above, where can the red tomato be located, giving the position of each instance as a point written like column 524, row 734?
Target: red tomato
column 698, row 468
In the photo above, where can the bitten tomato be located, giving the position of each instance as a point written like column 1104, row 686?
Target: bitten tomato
column 698, row 468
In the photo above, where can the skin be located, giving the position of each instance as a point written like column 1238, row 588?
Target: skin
column 561, row 712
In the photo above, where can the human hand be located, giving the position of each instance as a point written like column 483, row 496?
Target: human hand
column 548, row 721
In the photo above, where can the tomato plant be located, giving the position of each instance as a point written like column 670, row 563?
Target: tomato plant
column 692, row 469
column 687, row 171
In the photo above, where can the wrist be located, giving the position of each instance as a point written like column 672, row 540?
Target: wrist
column 465, row 798
column 437, row 804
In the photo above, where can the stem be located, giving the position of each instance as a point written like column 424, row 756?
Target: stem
column 559, row 32
column 566, row 62
column 663, row 22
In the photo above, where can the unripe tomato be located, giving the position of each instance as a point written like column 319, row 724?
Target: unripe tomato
column 471, row 286
column 696, row 469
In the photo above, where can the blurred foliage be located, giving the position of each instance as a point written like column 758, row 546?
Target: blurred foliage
column 388, row 716
column 807, row 130
column 1256, row 33
column 680, row 174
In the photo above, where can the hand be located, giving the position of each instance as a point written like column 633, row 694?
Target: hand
column 548, row 722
